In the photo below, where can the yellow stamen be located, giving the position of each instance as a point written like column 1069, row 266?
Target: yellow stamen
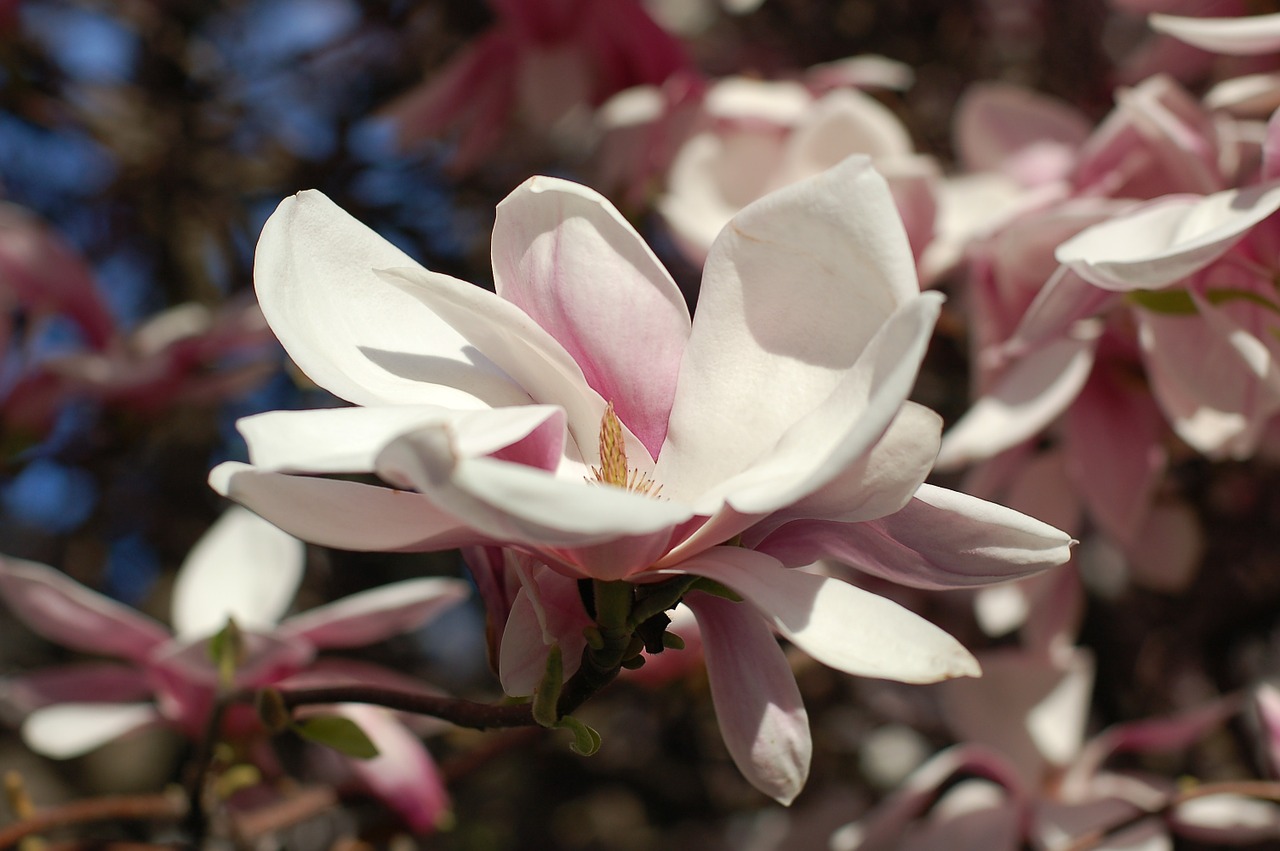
column 613, row 469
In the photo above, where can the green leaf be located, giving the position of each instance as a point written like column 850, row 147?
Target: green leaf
column 1171, row 302
column 586, row 741
column 546, row 700
column 226, row 651
column 341, row 734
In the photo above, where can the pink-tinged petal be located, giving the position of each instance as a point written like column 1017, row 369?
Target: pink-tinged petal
column 1115, row 457
column 508, row 337
column 973, row 815
column 518, row 504
column 794, row 290
column 564, row 255
column 1244, row 36
column 242, row 568
column 1164, row 241
column 883, row 829
column 349, row 330
column 1032, row 709
column 68, row 613
column 1059, row 825
column 998, row 123
column 345, row 515
column 1248, row 96
column 881, row 482
column 1227, row 819
column 838, row 624
column 347, row 440
column 376, row 614
column 1168, row 551
column 838, row 432
column 547, row 612
column 72, row 729
column 940, row 539
column 105, row 681
column 403, row 774
column 842, row 123
column 42, row 272
column 1266, row 706
column 1214, row 399
column 1034, row 391
column 762, row 718
column 1056, row 311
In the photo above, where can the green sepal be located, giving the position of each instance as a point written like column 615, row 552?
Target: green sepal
column 226, row 652
column 586, row 741
column 341, row 734
column 710, row 586
column 273, row 711
column 546, row 700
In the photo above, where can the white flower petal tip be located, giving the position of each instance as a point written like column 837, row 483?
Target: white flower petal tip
column 838, row 624
column 1244, row 36
column 243, row 568
column 69, row 730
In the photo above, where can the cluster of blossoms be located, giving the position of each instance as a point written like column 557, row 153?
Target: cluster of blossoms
column 639, row 489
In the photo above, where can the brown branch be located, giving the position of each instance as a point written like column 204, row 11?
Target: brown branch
column 108, row 808
column 296, row 808
column 1265, row 790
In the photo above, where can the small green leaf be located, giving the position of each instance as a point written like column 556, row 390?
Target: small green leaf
column 273, row 711
column 226, row 651
column 341, row 734
column 586, row 741
column 1171, row 302
column 546, row 700
column 710, row 586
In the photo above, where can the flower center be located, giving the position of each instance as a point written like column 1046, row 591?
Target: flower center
column 613, row 469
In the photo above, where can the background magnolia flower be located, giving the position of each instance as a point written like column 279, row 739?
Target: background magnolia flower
column 243, row 569
column 578, row 417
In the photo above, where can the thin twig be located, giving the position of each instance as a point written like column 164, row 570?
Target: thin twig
column 162, row 807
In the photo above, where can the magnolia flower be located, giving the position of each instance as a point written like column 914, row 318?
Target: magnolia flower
column 243, row 569
column 577, row 417
column 1026, row 776
column 1244, row 36
column 758, row 136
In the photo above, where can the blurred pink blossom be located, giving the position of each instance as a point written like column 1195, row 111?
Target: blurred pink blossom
column 243, row 569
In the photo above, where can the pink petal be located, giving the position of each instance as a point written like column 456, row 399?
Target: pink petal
column 1164, row 241
column 838, row 624
column 105, row 681
column 66, row 612
column 1034, row 391
column 941, row 539
column 563, row 255
column 403, row 774
column 68, row 730
column 352, row 332
column 376, row 614
column 1114, row 454
column 341, row 514
column 793, row 292
column 1244, row 36
column 505, row 335
column 243, row 568
column 547, row 612
column 997, row 122
column 762, row 718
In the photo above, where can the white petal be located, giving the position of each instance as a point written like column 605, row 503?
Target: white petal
column 1026, row 399
column 243, row 568
column 516, row 503
column 1166, row 240
column 1243, row 36
column 70, row 729
column 347, row 440
column 351, row 332
column 794, row 290
column 378, row 613
column 345, row 515
column 762, row 717
column 838, row 624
